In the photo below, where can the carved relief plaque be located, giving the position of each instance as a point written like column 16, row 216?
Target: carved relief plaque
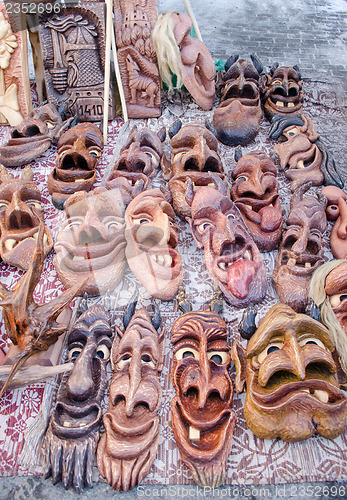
column 15, row 98
column 134, row 21
column 73, row 45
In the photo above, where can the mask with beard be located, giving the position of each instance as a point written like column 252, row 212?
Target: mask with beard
column 255, row 193
column 237, row 117
column 301, row 250
column 129, row 445
column 73, row 431
column 293, row 390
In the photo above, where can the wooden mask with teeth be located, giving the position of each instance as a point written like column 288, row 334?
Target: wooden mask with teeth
column 21, row 213
column 73, row 431
column 282, row 92
column 128, row 447
column 79, row 151
column 202, row 418
column 193, row 154
column 301, row 250
column 255, row 193
column 152, row 238
column 90, row 245
column 137, row 164
column 33, row 136
column 232, row 258
column 237, row 117
column 291, row 377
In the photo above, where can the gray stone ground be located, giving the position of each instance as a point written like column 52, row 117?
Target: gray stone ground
column 310, row 33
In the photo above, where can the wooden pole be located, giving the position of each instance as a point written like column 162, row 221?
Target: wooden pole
column 193, row 18
column 118, row 77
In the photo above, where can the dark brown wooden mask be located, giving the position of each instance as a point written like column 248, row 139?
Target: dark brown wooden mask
column 301, row 250
column 129, row 445
column 202, row 418
column 90, row 245
column 73, row 431
column 137, row 164
column 33, row 136
column 237, row 117
column 193, row 154
column 79, row 151
column 282, row 92
column 292, row 386
column 255, row 193
column 232, row 258
column 21, row 214
column 152, row 239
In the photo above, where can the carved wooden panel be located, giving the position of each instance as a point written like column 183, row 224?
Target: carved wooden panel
column 73, row 46
column 134, row 21
column 15, row 98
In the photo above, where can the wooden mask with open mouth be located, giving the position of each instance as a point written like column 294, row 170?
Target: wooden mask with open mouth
column 137, row 164
column 194, row 154
column 202, row 418
column 90, row 245
column 21, row 214
column 152, row 239
column 255, row 193
column 232, row 258
column 291, row 377
column 129, row 445
column 301, row 250
column 79, row 150
column 73, row 431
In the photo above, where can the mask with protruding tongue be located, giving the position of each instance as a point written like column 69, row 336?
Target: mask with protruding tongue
column 240, row 275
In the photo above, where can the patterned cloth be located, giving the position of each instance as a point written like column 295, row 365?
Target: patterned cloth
column 252, row 460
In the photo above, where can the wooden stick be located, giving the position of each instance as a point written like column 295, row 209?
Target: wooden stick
column 107, row 67
column 118, row 77
column 193, row 18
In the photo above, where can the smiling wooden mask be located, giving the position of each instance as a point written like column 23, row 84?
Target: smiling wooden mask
column 291, row 377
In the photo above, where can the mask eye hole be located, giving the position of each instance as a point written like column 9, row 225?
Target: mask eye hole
column 74, row 353
column 34, row 204
column 242, row 178
column 146, row 360
column 203, row 227
column 231, row 216
column 103, row 352
column 126, row 358
column 186, row 352
column 50, row 125
column 218, row 357
column 311, row 341
column 274, row 346
column 335, row 300
column 95, row 152
column 142, row 220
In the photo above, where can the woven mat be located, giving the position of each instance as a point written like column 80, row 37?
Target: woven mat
column 252, row 460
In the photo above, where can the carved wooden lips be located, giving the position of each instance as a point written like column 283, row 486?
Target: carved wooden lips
column 21, row 214
column 301, row 250
column 129, row 445
column 292, row 386
column 79, row 150
column 237, row 117
column 202, row 418
column 232, row 258
column 90, row 245
column 73, row 431
column 255, row 193
column 137, row 164
column 193, row 154
column 152, row 238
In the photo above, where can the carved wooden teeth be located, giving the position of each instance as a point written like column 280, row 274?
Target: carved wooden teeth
column 78, row 257
column 307, row 264
column 323, row 396
column 225, row 265
column 10, row 244
column 163, row 259
column 281, row 104
column 291, row 262
column 247, row 255
column 300, row 164
column 194, row 434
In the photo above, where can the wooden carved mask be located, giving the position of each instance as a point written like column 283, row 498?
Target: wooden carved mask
column 129, row 445
column 90, row 245
column 237, row 117
column 282, row 92
column 79, row 151
column 33, row 136
column 21, row 213
column 337, row 211
column 301, row 250
column 290, row 374
column 255, row 193
column 232, row 258
column 193, row 154
column 137, row 164
column 152, row 238
column 202, row 418
column 73, row 431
